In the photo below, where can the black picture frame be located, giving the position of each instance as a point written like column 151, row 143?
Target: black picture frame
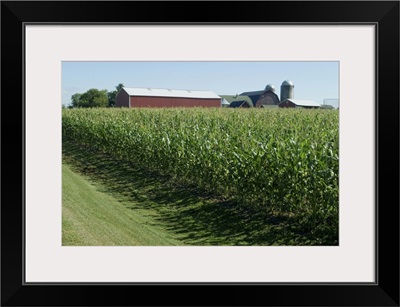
column 383, row 14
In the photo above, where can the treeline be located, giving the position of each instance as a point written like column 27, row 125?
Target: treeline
column 94, row 98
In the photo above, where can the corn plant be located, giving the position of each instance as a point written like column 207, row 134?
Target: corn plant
column 281, row 161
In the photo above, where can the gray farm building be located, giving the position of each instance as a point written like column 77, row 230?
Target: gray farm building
column 240, row 104
column 263, row 97
column 296, row 103
column 165, row 98
column 238, row 101
column 267, row 98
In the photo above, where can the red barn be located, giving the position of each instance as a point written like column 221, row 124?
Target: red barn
column 165, row 98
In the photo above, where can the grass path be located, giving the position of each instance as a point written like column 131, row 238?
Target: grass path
column 108, row 202
column 93, row 217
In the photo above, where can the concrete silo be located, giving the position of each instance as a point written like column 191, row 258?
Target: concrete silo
column 287, row 89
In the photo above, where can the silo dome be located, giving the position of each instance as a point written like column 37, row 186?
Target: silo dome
column 270, row 87
column 288, row 82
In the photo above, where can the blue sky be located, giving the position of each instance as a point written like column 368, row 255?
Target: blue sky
column 312, row 80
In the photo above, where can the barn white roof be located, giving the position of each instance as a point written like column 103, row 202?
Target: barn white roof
column 161, row 92
column 305, row 103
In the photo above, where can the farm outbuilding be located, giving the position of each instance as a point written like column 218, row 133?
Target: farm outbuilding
column 254, row 95
column 165, row 98
column 264, row 97
column 224, row 103
column 237, row 101
column 296, row 103
column 268, row 98
column 240, row 104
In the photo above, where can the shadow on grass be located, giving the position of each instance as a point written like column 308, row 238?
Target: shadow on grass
column 191, row 217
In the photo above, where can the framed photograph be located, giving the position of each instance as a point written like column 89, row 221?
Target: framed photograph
column 177, row 209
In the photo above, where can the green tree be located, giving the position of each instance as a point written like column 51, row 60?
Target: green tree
column 75, row 99
column 113, row 95
column 93, row 98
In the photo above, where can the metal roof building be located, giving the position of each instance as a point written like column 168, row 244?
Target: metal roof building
column 267, row 98
column 165, row 98
column 233, row 98
column 296, row 103
column 240, row 104
column 253, row 95
column 263, row 97
column 224, row 102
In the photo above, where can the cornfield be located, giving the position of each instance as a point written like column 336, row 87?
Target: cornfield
column 281, row 161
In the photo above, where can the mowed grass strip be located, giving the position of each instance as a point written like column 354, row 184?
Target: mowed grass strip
column 132, row 206
column 92, row 217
